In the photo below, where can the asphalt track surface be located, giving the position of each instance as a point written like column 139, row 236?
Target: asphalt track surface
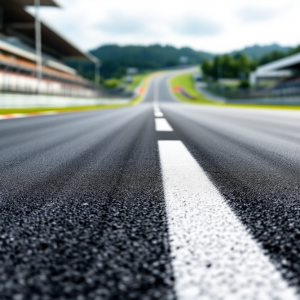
column 85, row 211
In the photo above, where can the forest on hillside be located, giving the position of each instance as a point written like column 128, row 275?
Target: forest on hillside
column 116, row 59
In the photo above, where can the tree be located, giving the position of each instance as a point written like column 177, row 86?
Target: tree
column 115, row 59
column 227, row 66
column 207, row 68
column 111, row 83
column 272, row 56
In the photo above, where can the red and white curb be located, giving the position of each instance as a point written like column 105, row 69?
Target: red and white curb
column 35, row 114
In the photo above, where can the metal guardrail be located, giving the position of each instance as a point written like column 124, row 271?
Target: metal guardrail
column 255, row 93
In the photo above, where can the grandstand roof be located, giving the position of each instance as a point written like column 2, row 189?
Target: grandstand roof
column 21, row 23
column 30, row 3
column 290, row 62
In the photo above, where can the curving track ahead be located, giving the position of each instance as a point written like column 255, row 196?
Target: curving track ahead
column 110, row 204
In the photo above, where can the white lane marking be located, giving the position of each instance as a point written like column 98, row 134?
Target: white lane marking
column 156, row 107
column 155, row 96
column 213, row 255
column 158, row 114
column 162, row 125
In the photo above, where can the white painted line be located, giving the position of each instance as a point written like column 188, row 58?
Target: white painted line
column 158, row 114
column 213, row 255
column 162, row 125
column 156, row 107
column 155, row 91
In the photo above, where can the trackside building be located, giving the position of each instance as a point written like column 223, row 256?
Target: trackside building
column 286, row 71
column 18, row 58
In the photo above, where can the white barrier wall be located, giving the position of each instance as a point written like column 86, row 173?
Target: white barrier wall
column 28, row 84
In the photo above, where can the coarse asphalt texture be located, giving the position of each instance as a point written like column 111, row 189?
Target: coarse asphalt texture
column 82, row 208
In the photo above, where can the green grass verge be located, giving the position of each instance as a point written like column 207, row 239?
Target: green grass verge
column 136, row 80
column 8, row 111
column 4, row 111
column 143, row 85
column 186, row 81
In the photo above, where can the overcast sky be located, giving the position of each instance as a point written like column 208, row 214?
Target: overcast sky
column 210, row 25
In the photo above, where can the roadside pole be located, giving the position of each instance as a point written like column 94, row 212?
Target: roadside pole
column 38, row 46
column 97, row 72
column 97, row 76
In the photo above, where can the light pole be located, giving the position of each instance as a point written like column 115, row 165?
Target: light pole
column 97, row 72
column 38, row 46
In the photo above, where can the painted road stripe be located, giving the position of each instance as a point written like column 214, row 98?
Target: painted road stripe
column 155, row 96
column 158, row 114
column 213, row 256
column 156, row 107
column 162, row 125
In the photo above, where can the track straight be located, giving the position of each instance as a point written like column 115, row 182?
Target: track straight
column 213, row 255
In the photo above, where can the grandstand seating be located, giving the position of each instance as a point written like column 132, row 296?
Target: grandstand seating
column 293, row 82
column 18, row 70
column 18, row 75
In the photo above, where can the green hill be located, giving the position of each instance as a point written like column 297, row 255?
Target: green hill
column 116, row 59
column 256, row 52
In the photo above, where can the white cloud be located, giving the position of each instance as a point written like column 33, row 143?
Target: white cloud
column 197, row 26
column 119, row 24
column 211, row 25
column 253, row 14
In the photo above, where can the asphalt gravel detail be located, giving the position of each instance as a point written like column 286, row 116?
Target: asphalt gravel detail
column 166, row 136
column 82, row 208
column 214, row 257
column 82, row 216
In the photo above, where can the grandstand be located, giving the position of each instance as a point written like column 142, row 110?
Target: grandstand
column 19, row 70
column 285, row 72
